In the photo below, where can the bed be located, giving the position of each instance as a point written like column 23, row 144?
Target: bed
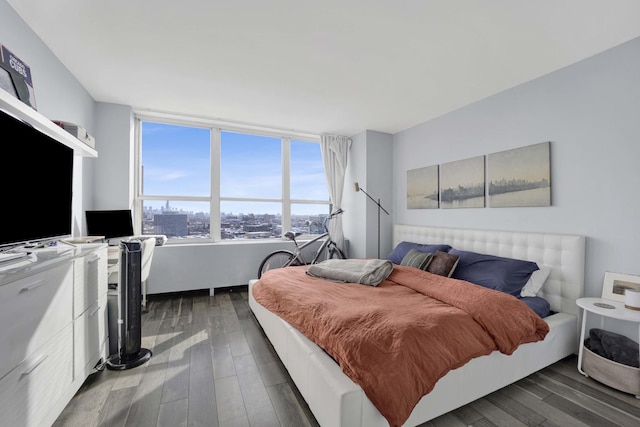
column 336, row 400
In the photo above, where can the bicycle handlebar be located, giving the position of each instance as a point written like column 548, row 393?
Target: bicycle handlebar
column 336, row 212
column 331, row 215
column 292, row 236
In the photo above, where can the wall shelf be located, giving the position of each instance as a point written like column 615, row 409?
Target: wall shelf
column 17, row 108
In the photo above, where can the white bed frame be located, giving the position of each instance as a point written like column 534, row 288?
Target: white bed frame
column 336, row 401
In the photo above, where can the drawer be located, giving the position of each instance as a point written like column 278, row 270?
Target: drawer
column 33, row 388
column 103, row 320
column 90, row 272
column 32, row 310
column 87, row 340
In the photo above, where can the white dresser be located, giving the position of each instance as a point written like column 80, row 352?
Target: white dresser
column 54, row 329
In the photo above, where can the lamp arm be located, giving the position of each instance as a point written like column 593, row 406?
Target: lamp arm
column 374, row 200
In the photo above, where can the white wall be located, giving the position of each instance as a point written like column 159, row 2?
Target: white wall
column 368, row 165
column 209, row 266
column 354, row 217
column 379, row 185
column 106, row 182
column 590, row 112
column 114, row 186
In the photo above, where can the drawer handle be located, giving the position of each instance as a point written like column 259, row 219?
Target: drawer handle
column 35, row 365
column 33, row 286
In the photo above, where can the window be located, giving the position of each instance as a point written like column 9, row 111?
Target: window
column 256, row 182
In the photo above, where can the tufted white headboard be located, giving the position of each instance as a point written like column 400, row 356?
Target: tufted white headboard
column 564, row 254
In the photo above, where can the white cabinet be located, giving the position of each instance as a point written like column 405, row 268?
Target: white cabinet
column 31, row 394
column 89, row 310
column 53, row 308
column 32, row 310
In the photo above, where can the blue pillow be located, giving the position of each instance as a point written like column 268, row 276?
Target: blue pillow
column 403, row 248
column 507, row 275
column 539, row 305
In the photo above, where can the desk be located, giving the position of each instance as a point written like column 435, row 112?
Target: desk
column 617, row 312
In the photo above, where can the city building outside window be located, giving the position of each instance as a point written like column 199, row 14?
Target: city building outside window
column 200, row 180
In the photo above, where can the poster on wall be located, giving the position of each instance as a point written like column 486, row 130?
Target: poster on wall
column 422, row 188
column 462, row 183
column 520, row 177
column 6, row 82
column 20, row 75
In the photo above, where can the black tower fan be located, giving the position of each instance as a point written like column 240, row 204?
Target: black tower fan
column 130, row 354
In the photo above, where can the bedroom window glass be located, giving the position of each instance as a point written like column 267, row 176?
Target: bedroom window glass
column 308, row 187
column 201, row 181
column 250, row 166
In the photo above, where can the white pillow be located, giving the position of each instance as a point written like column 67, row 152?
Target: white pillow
column 535, row 282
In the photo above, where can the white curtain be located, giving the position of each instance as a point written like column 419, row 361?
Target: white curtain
column 335, row 150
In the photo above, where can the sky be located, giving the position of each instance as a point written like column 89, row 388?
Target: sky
column 176, row 162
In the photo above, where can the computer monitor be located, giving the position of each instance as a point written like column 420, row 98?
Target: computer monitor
column 112, row 224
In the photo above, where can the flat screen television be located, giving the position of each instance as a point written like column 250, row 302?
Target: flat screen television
column 37, row 185
column 111, row 224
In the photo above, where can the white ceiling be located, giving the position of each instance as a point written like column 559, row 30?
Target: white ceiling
column 325, row 66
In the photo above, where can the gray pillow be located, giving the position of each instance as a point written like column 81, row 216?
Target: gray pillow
column 417, row 259
column 443, row 264
column 402, row 248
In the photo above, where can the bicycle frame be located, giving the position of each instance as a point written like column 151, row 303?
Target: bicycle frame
column 285, row 258
column 299, row 247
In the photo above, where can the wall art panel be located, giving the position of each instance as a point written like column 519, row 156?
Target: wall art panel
column 462, row 183
column 422, row 188
column 520, row 177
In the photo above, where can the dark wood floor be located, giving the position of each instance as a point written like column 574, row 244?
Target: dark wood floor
column 212, row 366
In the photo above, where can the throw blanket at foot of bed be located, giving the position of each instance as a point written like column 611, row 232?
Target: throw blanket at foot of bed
column 397, row 339
column 364, row 271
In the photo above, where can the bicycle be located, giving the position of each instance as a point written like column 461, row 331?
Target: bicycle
column 284, row 258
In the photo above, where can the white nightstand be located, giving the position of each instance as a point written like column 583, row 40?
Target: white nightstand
column 594, row 305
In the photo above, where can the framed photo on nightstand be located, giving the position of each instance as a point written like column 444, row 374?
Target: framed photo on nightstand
column 615, row 284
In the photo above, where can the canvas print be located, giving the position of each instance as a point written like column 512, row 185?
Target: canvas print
column 422, row 188
column 462, row 183
column 520, row 177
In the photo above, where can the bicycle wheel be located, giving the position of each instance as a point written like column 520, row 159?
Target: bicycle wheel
column 277, row 259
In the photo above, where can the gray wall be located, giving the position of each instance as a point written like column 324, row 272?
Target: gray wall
column 106, row 182
column 114, row 171
column 369, row 159
column 590, row 112
column 59, row 96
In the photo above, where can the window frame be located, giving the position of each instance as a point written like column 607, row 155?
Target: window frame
column 217, row 127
